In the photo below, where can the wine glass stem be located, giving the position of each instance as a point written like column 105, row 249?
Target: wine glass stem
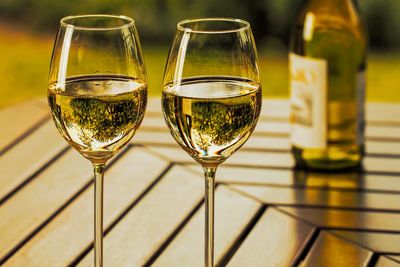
column 98, row 213
column 209, row 175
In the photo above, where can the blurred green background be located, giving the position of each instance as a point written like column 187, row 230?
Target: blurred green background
column 28, row 28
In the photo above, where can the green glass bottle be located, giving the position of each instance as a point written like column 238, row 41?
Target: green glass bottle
column 327, row 64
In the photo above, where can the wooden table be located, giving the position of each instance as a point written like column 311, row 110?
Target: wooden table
column 266, row 213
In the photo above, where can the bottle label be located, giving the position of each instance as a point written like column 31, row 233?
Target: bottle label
column 308, row 97
column 360, row 87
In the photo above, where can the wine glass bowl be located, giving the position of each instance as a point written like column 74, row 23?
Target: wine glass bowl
column 98, row 114
column 212, row 117
column 211, row 97
column 97, row 92
column 212, row 92
column 97, row 85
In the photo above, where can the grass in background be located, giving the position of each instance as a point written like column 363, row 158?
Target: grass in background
column 26, row 59
column 24, row 66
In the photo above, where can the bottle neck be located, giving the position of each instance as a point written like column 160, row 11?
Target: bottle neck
column 339, row 14
column 333, row 5
column 345, row 9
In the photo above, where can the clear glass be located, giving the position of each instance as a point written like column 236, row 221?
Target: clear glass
column 211, row 97
column 97, row 93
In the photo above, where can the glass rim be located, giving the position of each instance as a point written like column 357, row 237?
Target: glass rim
column 245, row 25
column 128, row 22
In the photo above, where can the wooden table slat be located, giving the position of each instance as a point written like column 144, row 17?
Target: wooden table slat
column 28, row 156
column 46, row 198
column 256, row 142
column 382, row 243
column 307, row 180
column 68, row 234
column 273, row 128
column 154, row 105
column 388, row 165
column 394, row 257
column 145, row 137
column 383, row 112
column 343, row 219
column 134, row 240
column 152, row 122
column 241, row 157
column 329, row 250
column 276, row 240
column 266, row 159
column 383, row 148
column 17, row 120
column 322, row 198
column 386, row 262
column 233, row 212
column 275, row 108
column 44, row 195
column 267, row 143
column 275, row 159
column 389, row 132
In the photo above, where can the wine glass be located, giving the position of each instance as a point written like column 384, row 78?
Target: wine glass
column 211, row 97
column 97, row 93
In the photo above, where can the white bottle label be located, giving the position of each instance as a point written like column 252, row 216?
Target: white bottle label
column 308, row 97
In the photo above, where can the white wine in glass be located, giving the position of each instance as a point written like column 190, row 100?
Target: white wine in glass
column 97, row 115
column 97, row 93
column 211, row 98
column 212, row 117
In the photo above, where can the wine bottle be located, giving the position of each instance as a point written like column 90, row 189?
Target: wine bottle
column 327, row 64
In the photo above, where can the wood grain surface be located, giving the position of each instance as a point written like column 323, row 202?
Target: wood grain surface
column 267, row 213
